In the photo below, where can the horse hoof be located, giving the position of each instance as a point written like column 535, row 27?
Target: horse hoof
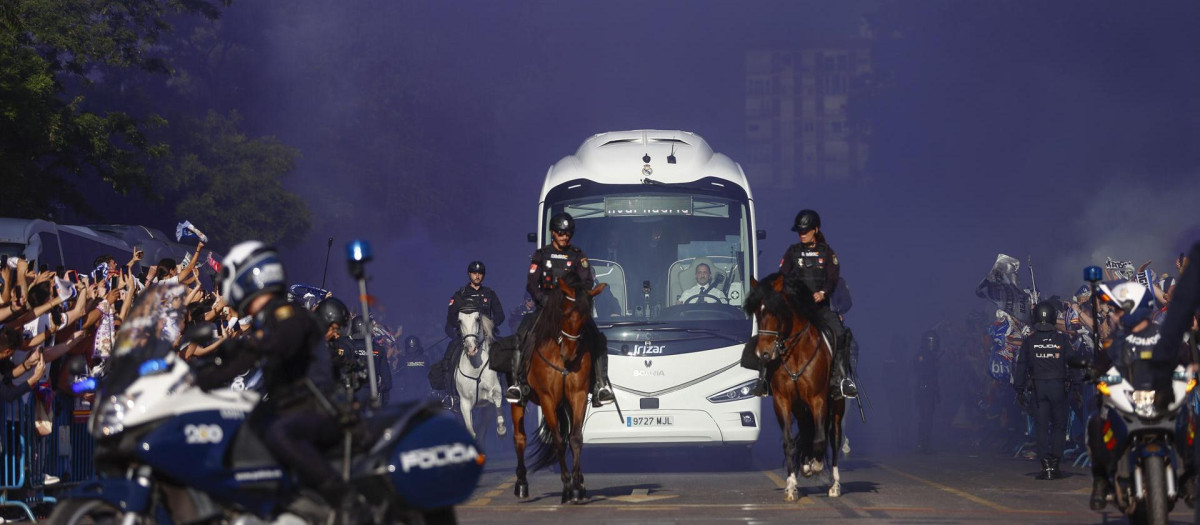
column 835, row 491
column 521, row 490
column 566, row 496
column 791, row 495
column 578, row 495
column 806, row 471
column 817, row 467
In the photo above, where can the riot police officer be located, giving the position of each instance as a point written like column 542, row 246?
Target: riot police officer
column 926, row 394
column 547, row 265
column 356, row 362
column 814, row 263
column 472, row 297
column 334, row 318
column 287, row 342
column 1043, row 360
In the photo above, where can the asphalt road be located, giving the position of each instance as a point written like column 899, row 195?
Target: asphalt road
column 882, row 483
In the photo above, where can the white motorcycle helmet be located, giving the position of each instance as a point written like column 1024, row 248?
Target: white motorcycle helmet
column 249, row 270
column 1135, row 300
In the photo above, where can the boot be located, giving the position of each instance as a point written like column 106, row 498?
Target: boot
column 761, row 387
column 517, row 391
column 602, row 393
column 841, row 381
column 1054, row 473
column 1100, row 489
column 1045, row 474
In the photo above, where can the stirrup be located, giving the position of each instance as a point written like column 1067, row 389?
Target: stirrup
column 514, row 394
column 848, row 388
column 604, row 396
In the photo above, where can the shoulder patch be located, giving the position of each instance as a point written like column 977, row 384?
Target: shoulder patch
column 532, row 268
column 583, row 262
column 451, row 302
column 284, row 312
column 835, row 261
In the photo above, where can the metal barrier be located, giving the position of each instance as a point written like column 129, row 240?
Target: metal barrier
column 34, row 467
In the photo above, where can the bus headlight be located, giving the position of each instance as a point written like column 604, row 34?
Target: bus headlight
column 736, row 393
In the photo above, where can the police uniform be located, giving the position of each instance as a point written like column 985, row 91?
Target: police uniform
column 1042, row 360
column 816, row 265
column 926, row 395
column 288, row 344
column 483, row 300
column 546, row 266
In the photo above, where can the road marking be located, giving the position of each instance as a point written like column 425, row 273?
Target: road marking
column 496, row 491
column 971, row 497
column 642, row 496
column 804, row 501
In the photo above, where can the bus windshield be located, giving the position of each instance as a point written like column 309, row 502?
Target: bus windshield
column 676, row 260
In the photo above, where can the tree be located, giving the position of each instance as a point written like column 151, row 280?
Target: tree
column 51, row 52
column 228, row 184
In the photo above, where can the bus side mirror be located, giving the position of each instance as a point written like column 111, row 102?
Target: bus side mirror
column 760, row 234
column 531, row 237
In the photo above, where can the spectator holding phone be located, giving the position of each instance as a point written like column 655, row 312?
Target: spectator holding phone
column 10, row 340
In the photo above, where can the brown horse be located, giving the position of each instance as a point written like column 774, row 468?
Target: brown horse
column 560, row 374
column 798, row 359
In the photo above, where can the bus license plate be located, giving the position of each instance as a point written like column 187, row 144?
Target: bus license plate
column 649, row 421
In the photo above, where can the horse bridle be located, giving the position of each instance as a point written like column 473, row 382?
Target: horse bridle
column 785, row 346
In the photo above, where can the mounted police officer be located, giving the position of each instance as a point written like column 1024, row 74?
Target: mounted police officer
column 1043, row 360
column 287, row 342
column 814, row 263
column 547, row 265
column 472, row 297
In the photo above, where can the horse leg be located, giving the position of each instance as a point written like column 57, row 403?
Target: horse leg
column 818, row 443
column 579, row 404
column 783, row 413
column 550, row 415
column 835, row 487
column 466, row 405
column 497, row 396
column 804, row 438
column 521, row 488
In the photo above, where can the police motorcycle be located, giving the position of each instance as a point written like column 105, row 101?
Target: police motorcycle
column 167, row 451
column 1145, row 446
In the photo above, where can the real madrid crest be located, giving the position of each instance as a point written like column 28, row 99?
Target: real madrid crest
column 647, row 170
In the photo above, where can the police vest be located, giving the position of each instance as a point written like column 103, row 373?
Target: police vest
column 555, row 264
column 810, row 265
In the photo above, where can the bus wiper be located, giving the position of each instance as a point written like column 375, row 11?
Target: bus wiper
column 684, row 185
column 623, row 324
column 705, row 331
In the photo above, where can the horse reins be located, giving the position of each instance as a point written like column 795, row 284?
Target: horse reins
column 786, row 347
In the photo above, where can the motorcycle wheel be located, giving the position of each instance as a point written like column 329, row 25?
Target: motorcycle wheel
column 1156, row 504
column 85, row 512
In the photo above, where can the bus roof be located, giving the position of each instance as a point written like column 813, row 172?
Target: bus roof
column 615, row 157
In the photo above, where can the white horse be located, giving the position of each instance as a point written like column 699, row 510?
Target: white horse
column 474, row 379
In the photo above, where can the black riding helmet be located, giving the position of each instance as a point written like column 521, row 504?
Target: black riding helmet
column 358, row 328
column 1044, row 316
column 477, row 267
column 806, row 220
column 562, row 222
column 333, row 310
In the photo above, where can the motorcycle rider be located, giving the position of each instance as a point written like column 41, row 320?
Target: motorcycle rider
column 1134, row 350
column 472, row 297
column 814, row 263
column 1043, row 359
column 287, row 343
column 547, row 265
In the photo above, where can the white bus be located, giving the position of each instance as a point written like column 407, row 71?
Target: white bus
column 650, row 207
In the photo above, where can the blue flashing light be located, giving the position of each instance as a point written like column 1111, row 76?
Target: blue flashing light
column 1093, row 274
column 153, row 366
column 85, row 386
column 358, row 250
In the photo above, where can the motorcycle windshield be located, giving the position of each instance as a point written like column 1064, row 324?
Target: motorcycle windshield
column 151, row 331
column 1148, row 375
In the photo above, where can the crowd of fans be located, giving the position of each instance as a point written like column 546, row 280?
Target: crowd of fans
column 978, row 348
